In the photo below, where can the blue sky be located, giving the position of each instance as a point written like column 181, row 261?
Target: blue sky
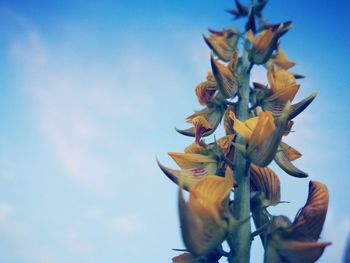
column 89, row 95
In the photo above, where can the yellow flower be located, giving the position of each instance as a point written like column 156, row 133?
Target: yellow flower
column 198, row 161
column 297, row 242
column 255, row 130
column 201, row 126
column 262, row 134
column 207, row 197
column 225, row 77
column 201, row 219
column 196, row 148
column 212, row 115
column 280, row 60
column 223, row 43
column 265, row 43
column 283, row 85
column 205, row 91
column 261, row 41
column 283, row 89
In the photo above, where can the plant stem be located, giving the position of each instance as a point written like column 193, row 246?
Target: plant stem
column 240, row 241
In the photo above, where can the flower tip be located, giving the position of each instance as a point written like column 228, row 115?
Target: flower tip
column 187, row 132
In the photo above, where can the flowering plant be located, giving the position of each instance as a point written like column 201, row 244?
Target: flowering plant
column 256, row 118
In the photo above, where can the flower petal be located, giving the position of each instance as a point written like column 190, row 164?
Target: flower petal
column 306, row 252
column 201, row 234
column 281, row 60
column 228, row 122
column 226, row 80
column 308, row 223
column 190, row 160
column 284, row 94
column 201, row 126
column 265, row 180
column 262, row 154
column 205, row 91
column 300, row 106
column 208, row 195
column 212, row 115
column 263, row 129
column 188, row 177
column 291, row 153
column 223, row 43
column 281, row 158
column 242, row 128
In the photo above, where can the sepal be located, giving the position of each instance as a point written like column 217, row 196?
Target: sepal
column 225, row 78
column 284, row 157
column 213, row 117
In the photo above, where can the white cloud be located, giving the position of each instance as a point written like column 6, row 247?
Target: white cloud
column 77, row 244
column 77, row 104
column 336, row 230
column 6, row 211
column 127, row 225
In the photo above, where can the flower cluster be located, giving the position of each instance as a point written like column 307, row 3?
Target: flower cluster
column 210, row 171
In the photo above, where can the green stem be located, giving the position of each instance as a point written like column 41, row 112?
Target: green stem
column 240, row 241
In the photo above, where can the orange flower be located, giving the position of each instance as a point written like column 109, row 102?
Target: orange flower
column 223, row 43
column 202, row 224
column 201, row 126
column 205, row 91
column 280, row 60
column 255, row 130
column 212, row 115
column 297, row 242
column 225, row 77
column 265, row 43
column 262, row 134
column 282, row 84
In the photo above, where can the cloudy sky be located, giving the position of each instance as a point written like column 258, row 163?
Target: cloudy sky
column 90, row 92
